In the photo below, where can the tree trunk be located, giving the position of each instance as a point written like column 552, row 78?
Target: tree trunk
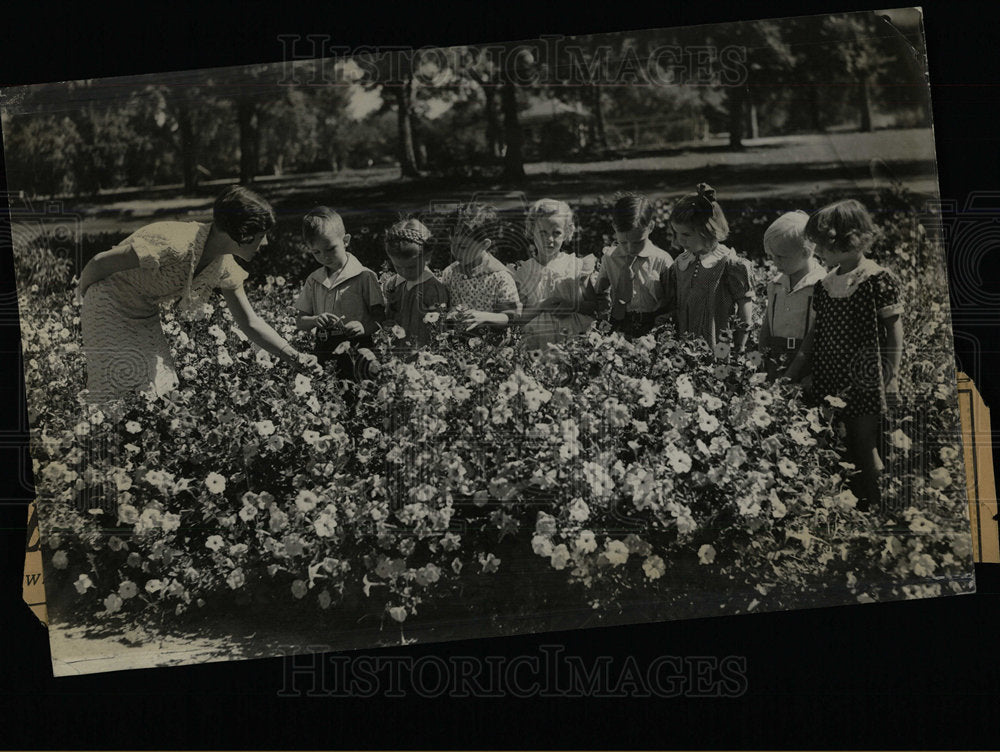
column 188, row 147
column 736, row 99
column 404, row 109
column 865, row 105
column 815, row 111
column 597, row 110
column 246, row 113
column 492, row 124
column 752, row 119
column 513, row 167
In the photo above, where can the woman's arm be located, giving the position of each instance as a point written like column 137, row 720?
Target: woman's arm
column 257, row 330
column 106, row 263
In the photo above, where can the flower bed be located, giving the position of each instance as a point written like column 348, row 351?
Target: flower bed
column 477, row 477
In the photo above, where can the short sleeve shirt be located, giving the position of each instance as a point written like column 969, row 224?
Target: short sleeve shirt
column 646, row 269
column 490, row 287
column 351, row 293
column 790, row 311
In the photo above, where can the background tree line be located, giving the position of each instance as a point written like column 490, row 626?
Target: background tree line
column 462, row 111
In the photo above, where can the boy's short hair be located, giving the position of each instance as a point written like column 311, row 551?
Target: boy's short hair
column 788, row 233
column 242, row 214
column 322, row 222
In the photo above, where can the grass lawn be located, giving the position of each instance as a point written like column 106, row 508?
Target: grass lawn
column 780, row 168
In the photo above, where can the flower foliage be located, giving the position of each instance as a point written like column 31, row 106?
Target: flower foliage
column 607, row 470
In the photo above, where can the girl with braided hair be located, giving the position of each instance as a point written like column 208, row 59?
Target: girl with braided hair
column 414, row 292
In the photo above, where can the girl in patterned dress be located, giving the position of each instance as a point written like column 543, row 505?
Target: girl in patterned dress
column 855, row 347
column 122, row 289
column 481, row 288
column 708, row 283
column 551, row 283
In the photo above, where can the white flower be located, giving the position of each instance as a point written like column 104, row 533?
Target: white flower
column 616, row 552
column 83, row 584
column 215, row 483
column 214, row 542
column 541, row 545
column 398, row 613
column 835, row 401
column 306, row 501
column 788, row 468
column 128, row 590
column 940, row 478
column 398, row 332
column 133, row 427
column 264, row 427
column 654, row 567
column 579, row 511
column 113, row 603
column 325, row 524
column 432, row 317
column 236, row 579
column 680, row 461
column 900, row 440
column 60, row 560
column 559, row 557
column 153, row 586
column 303, row 385
column 706, row 554
column 685, row 390
column 585, row 542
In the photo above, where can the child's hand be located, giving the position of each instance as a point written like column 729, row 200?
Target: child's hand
column 328, row 321
column 308, row 360
column 354, row 329
column 471, row 319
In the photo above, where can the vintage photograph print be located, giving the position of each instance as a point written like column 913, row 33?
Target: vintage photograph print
column 370, row 347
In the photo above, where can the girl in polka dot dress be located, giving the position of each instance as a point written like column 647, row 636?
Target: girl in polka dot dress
column 481, row 288
column 854, row 349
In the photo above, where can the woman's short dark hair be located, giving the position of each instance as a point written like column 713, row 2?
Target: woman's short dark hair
column 242, row 214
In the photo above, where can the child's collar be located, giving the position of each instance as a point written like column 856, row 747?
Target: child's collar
column 814, row 273
column 351, row 268
column 488, row 265
column 707, row 260
column 426, row 275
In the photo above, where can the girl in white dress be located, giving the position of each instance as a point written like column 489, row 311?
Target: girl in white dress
column 122, row 290
column 551, row 283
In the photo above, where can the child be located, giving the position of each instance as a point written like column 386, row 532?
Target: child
column 708, row 283
column 788, row 315
column 341, row 299
column 477, row 282
column 856, row 345
column 631, row 271
column 414, row 291
column 550, row 284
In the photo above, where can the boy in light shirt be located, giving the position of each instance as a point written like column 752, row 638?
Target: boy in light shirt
column 789, row 314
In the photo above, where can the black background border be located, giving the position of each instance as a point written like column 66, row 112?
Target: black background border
column 909, row 674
